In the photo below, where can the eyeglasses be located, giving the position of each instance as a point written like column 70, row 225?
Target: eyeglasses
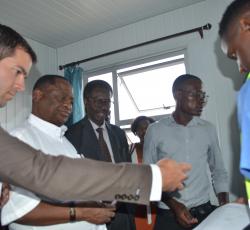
column 197, row 95
column 100, row 102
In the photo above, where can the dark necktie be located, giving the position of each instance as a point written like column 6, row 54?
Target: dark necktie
column 103, row 145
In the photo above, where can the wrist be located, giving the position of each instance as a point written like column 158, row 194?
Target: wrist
column 223, row 198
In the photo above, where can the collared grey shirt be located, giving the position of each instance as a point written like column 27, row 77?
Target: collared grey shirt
column 197, row 144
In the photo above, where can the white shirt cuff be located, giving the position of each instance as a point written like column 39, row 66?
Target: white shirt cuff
column 156, row 188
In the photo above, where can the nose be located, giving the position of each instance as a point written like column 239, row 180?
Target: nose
column 20, row 83
column 68, row 105
column 201, row 102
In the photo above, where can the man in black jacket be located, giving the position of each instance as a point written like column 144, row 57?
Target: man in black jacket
column 110, row 145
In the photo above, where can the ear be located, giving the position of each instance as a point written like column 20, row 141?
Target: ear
column 37, row 95
column 85, row 101
column 245, row 24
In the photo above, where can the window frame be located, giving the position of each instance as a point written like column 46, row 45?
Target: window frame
column 113, row 70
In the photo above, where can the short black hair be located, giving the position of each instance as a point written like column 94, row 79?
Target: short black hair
column 10, row 40
column 181, row 80
column 233, row 11
column 48, row 79
column 90, row 86
column 138, row 120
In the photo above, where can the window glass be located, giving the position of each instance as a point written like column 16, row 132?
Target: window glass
column 142, row 89
column 148, row 91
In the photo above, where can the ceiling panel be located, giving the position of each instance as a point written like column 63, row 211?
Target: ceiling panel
column 57, row 23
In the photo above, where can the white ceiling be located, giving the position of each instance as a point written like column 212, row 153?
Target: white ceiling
column 57, row 23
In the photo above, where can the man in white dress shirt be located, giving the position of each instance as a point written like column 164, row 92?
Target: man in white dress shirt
column 44, row 130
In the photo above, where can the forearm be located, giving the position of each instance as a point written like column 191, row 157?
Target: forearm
column 169, row 200
column 86, row 179
column 46, row 214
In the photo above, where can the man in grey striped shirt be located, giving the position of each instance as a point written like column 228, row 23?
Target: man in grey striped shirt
column 183, row 136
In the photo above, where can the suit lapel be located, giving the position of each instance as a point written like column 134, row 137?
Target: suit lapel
column 89, row 143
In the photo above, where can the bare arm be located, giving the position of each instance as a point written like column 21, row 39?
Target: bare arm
column 86, row 179
column 49, row 214
column 182, row 214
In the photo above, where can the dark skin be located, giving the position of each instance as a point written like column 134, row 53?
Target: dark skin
column 4, row 194
column 190, row 100
column 235, row 42
column 140, row 132
column 97, row 105
column 53, row 104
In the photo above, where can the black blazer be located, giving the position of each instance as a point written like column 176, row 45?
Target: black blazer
column 83, row 137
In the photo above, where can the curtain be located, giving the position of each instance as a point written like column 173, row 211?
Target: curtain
column 75, row 77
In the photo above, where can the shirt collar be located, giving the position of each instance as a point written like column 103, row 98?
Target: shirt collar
column 95, row 126
column 195, row 121
column 47, row 127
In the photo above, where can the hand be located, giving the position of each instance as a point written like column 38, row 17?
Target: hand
column 223, row 198
column 4, row 194
column 173, row 174
column 241, row 200
column 95, row 215
column 182, row 214
column 91, row 204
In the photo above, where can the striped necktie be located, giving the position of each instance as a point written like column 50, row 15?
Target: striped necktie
column 103, row 145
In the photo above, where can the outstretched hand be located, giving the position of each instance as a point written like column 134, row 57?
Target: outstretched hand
column 173, row 174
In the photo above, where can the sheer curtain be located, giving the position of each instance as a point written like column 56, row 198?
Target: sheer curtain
column 75, row 77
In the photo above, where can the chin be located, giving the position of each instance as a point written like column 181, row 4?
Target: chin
column 197, row 114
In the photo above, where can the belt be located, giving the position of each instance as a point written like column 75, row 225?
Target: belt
column 202, row 211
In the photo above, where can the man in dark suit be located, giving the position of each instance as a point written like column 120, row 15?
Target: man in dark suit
column 85, row 137
column 60, row 177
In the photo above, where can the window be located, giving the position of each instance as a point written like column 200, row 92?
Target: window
column 142, row 89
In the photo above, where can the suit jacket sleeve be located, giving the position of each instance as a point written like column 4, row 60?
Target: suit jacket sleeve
column 67, row 179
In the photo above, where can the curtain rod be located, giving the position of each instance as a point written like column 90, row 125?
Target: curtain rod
column 199, row 30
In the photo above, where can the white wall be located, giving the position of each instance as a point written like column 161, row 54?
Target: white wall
column 17, row 110
column 205, row 60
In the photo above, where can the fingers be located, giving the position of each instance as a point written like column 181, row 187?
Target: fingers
column 109, row 216
column 241, row 200
column 173, row 174
column 185, row 167
column 190, row 219
column 98, row 215
column 180, row 186
column 186, row 219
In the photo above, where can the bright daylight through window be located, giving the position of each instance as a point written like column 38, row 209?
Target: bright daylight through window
column 143, row 89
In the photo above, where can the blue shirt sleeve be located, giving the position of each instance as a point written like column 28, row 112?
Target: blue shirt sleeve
column 244, row 122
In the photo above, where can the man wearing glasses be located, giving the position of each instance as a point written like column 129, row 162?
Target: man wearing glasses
column 95, row 138
column 184, row 136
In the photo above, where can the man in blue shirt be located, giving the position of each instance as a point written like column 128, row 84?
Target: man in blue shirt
column 234, row 31
column 235, row 41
